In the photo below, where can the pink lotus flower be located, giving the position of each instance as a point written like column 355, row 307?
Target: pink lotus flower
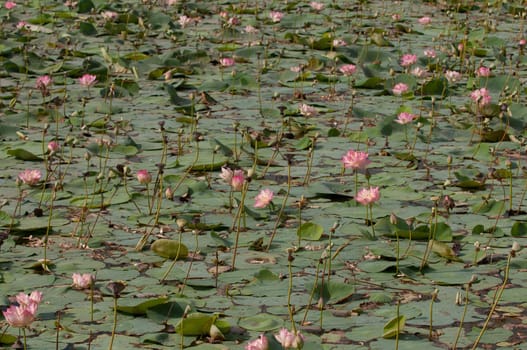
column 53, row 146
column 144, row 177
column 249, row 29
column 226, row 174
column 34, row 298
column 88, row 80
column 356, row 160
column 23, row 314
column 317, row 6
column 234, row 178
column 290, row 340
column 522, row 42
column 408, row 59
column 419, row 72
column 238, row 178
column 348, row 69
column 424, row 20
column 109, row 15
column 483, row 71
column 226, row 61
column 307, row 110
column 276, row 16
column 43, row 83
column 367, row 196
column 481, row 97
column 452, row 76
column 21, row 25
column 396, row 17
column 263, row 198
column 83, row 281
column 259, row 344
column 405, row 118
column 184, row 21
column 430, row 53
column 10, row 5
column 30, row 177
column 20, row 316
column 339, row 43
column 400, row 89
column 296, row 69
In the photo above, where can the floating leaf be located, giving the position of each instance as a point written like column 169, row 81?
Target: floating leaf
column 22, row 154
column 169, row 248
column 139, row 307
column 261, row 322
column 443, row 250
column 195, row 324
column 519, row 229
column 310, row 231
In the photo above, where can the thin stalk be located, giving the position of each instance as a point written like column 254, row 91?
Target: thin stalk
column 284, row 202
column 465, row 308
column 110, row 346
column 238, row 217
column 497, row 298
column 290, row 290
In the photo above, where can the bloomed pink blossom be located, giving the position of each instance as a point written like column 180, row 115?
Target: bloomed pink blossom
column 396, row 17
column 43, row 83
column 430, row 53
column 184, row 21
column 276, row 16
column 296, row 69
column 405, row 118
column 23, row 314
column 481, row 97
column 109, row 15
column 249, row 29
column 408, row 59
column 356, row 160
column 226, row 61
column 452, row 76
column 10, row 5
column 21, row 25
column 367, row 196
column 317, row 6
column 34, row 298
column 143, row 176
column 307, row 110
column 237, row 180
column 483, row 71
column 339, row 43
column 88, row 80
column 226, row 174
column 424, row 20
column 30, row 177
column 258, row 344
column 20, row 316
column 522, row 42
column 83, row 281
column 400, row 89
column 419, row 72
column 263, row 198
column 348, row 69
